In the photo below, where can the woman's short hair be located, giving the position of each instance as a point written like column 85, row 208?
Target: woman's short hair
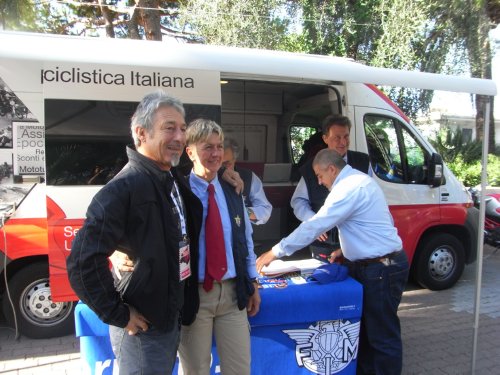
column 200, row 129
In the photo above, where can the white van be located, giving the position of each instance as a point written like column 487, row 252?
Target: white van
column 70, row 101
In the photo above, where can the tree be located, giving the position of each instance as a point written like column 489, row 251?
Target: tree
column 118, row 18
column 254, row 23
column 124, row 19
column 147, row 15
column 411, row 35
column 396, row 34
column 450, row 144
column 470, row 36
column 16, row 15
column 491, row 13
column 340, row 28
column 408, row 41
column 109, row 17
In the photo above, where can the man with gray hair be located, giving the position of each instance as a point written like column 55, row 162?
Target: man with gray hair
column 258, row 207
column 309, row 195
column 372, row 250
column 150, row 214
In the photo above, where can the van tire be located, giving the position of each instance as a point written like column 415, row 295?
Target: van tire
column 37, row 316
column 440, row 261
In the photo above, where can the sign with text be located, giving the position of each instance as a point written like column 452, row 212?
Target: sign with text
column 29, row 149
column 122, row 83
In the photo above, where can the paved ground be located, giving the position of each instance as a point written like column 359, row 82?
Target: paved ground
column 437, row 333
column 438, row 326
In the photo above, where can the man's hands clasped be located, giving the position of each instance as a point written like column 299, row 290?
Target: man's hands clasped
column 137, row 322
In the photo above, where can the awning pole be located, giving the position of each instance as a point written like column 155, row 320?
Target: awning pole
column 480, row 237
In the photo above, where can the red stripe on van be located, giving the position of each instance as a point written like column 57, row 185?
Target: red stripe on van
column 386, row 99
column 26, row 237
column 61, row 232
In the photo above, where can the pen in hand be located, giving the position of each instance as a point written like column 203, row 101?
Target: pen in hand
column 324, row 256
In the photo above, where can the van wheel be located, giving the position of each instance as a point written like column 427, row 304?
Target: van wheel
column 440, row 262
column 37, row 316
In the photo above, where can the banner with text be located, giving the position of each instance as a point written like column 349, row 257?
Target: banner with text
column 122, row 83
column 29, row 149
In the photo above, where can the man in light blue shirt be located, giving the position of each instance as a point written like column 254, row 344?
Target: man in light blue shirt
column 309, row 195
column 372, row 250
column 223, row 307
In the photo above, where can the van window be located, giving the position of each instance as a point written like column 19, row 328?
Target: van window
column 271, row 120
column 301, row 139
column 85, row 140
column 305, row 142
column 395, row 155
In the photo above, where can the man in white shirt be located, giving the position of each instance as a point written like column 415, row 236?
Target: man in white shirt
column 258, row 207
column 309, row 195
column 372, row 250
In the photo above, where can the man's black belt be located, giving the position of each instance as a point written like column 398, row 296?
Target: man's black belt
column 381, row 259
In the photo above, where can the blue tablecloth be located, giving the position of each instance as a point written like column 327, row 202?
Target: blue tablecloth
column 300, row 329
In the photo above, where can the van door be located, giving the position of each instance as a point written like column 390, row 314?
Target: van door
column 399, row 162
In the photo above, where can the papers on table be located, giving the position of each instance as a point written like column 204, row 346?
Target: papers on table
column 279, row 267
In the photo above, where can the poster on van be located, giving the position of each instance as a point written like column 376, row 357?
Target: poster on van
column 29, row 150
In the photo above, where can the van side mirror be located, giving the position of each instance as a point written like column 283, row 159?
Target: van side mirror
column 435, row 176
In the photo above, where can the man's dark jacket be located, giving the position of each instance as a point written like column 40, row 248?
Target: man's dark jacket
column 135, row 214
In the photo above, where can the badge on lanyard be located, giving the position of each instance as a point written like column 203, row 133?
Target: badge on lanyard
column 184, row 260
column 184, row 253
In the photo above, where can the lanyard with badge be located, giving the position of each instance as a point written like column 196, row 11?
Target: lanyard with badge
column 184, row 253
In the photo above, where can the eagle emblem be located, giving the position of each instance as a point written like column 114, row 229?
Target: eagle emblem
column 237, row 220
column 327, row 347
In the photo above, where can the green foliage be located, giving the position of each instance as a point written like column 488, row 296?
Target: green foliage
column 419, row 35
column 464, row 158
column 17, row 15
column 494, row 170
column 470, row 173
column 341, row 28
column 294, row 43
column 255, row 24
column 398, row 34
column 450, row 144
column 298, row 136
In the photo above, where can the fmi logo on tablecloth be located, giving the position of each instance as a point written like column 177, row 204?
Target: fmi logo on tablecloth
column 326, row 347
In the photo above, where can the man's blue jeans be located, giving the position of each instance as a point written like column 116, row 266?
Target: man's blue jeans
column 151, row 352
column 380, row 347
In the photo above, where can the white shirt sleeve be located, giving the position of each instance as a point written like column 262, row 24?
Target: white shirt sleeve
column 260, row 205
column 251, row 257
column 300, row 202
column 335, row 210
column 357, row 206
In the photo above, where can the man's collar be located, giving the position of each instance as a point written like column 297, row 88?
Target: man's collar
column 201, row 179
column 341, row 174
